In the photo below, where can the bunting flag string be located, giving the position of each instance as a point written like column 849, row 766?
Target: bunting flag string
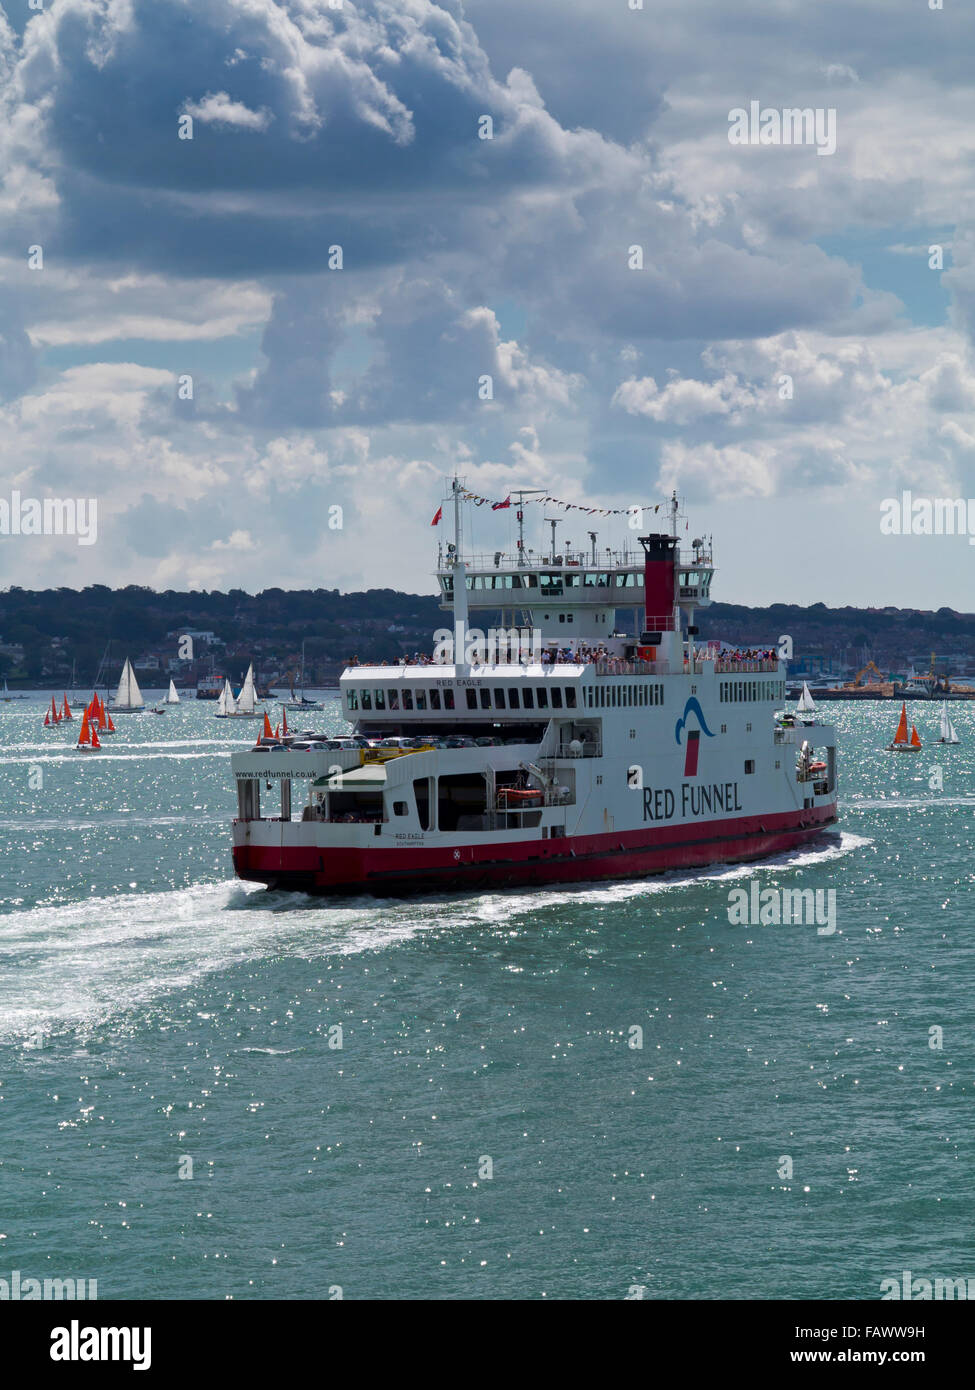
column 557, row 502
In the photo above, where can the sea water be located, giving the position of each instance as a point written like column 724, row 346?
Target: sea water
column 209, row 1090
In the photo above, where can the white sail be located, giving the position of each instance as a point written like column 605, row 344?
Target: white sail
column 247, row 698
column 128, row 695
column 227, row 704
column 173, row 697
column 805, row 705
column 948, row 734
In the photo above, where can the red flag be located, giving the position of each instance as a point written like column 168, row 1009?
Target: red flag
column 436, row 519
column 500, row 506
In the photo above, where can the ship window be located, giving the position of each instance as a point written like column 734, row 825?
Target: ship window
column 513, row 701
column 749, row 765
column 421, row 699
column 393, row 700
column 407, row 699
column 724, row 728
column 353, row 699
column 421, row 792
column 380, row 699
column 748, row 728
column 621, row 581
column 569, row 618
column 542, row 698
column 485, row 698
column 570, row 697
column 499, row 697
column 366, row 700
column 434, row 699
column 556, row 697
column 561, row 617
column 448, row 699
column 589, row 581
column 472, row 699
column 528, row 698
column 399, row 808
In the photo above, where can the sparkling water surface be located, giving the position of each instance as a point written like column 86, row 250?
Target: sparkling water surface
column 153, row 1009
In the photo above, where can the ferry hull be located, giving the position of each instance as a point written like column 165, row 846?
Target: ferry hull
column 577, row 859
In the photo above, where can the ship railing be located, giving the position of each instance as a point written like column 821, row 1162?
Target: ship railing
column 615, row 667
column 731, row 668
column 605, row 562
column 586, row 748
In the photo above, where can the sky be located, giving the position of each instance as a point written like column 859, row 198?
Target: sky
column 257, row 258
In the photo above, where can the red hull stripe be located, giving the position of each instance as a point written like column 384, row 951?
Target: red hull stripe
column 623, row 854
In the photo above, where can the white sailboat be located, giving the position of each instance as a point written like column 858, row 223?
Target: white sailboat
column 948, row 734
column 226, row 704
column 247, row 699
column 806, row 704
column 128, row 697
column 173, row 697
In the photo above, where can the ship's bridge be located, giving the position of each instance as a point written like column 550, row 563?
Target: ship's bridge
column 571, row 594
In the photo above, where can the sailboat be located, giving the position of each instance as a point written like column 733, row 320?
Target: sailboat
column 948, row 734
column 66, row 710
column 173, row 697
column 299, row 701
column 247, row 699
column 6, row 697
column 226, row 704
column 805, row 705
column 901, row 743
column 128, row 697
column 88, row 737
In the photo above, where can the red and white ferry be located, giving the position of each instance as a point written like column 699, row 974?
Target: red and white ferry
column 591, row 755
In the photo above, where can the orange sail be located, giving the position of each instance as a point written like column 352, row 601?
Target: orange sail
column 901, row 735
column 111, row 726
column 55, row 717
column 277, row 731
column 915, row 741
column 66, row 712
column 85, row 735
column 47, row 717
column 268, row 731
column 94, row 739
column 284, row 719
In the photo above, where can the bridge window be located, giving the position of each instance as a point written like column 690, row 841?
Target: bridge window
column 485, row 698
column 542, row 697
column 570, row 697
column 380, row 699
column 499, row 697
column 556, row 697
column 472, row 699
column 366, row 700
column 421, row 699
column 353, row 697
column 393, row 700
column 528, row 698
column 434, row 699
column 407, row 699
column 513, row 701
